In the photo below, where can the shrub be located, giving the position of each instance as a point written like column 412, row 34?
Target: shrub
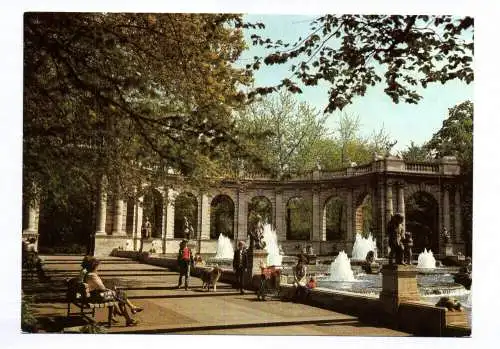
column 29, row 322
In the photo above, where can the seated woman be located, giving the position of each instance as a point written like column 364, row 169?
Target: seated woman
column 96, row 286
column 300, row 278
column 85, row 268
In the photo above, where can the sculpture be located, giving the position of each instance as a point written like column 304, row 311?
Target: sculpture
column 146, row 229
column 395, row 232
column 257, row 235
column 370, row 266
column 187, row 228
column 408, row 244
column 446, row 236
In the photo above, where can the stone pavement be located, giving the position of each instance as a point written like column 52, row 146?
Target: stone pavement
column 196, row 311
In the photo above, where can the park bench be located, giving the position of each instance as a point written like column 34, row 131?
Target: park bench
column 77, row 294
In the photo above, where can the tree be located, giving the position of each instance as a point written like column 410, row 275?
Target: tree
column 415, row 152
column 353, row 147
column 455, row 138
column 128, row 96
column 353, row 52
column 287, row 130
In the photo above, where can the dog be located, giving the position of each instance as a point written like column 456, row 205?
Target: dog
column 210, row 278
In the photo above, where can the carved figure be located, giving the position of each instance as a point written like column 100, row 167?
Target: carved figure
column 257, row 235
column 188, row 229
column 446, row 236
column 449, row 303
column 395, row 232
column 408, row 244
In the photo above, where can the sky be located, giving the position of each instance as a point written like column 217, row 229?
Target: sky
column 403, row 122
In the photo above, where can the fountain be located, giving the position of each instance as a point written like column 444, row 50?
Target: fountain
column 224, row 248
column 340, row 269
column 362, row 246
column 426, row 260
column 273, row 257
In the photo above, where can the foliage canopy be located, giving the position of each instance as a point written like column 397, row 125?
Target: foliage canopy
column 353, row 52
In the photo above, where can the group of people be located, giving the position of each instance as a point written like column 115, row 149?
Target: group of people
column 186, row 261
column 99, row 292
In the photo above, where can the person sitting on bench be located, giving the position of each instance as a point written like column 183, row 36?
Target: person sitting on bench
column 96, row 288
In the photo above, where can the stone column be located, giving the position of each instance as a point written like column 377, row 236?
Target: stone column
column 381, row 216
column 204, row 217
column 458, row 216
column 164, row 203
column 134, row 215
column 124, row 217
column 323, row 224
column 170, row 212
column 118, row 217
column 446, row 207
column 242, row 215
column 389, row 211
column 33, row 213
column 101, row 210
column 138, row 220
column 401, row 202
column 316, row 215
column 279, row 214
column 351, row 219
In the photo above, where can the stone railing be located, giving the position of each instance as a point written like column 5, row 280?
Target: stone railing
column 421, row 167
column 444, row 166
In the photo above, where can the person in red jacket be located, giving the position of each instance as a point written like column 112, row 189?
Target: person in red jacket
column 185, row 260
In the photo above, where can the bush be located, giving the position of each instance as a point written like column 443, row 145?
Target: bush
column 29, row 322
column 92, row 328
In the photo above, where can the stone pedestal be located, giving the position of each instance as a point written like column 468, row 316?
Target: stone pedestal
column 399, row 284
column 257, row 258
column 448, row 250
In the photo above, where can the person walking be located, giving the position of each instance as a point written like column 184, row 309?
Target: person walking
column 240, row 265
column 185, row 260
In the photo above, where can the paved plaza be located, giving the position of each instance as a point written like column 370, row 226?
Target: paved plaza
column 168, row 309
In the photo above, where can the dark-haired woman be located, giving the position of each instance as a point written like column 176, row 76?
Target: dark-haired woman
column 96, row 287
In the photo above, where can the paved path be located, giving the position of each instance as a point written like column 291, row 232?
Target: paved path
column 196, row 311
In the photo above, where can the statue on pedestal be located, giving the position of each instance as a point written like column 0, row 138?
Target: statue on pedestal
column 446, row 236
column 408, row 244
column 257, row 235
column 145, row 232
column 187, row 228
column 395, row 232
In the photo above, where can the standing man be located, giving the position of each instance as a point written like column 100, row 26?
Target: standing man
column 240, row 264
column 185, row 260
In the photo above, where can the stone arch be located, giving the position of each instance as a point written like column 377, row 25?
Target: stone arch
column 422, row 220
column 259, row 205
column 363, row 222
column 298, row 218
column 153, row 210
column 335, row 218
column 429, row 189
column 222, row 216
column 185, row 205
